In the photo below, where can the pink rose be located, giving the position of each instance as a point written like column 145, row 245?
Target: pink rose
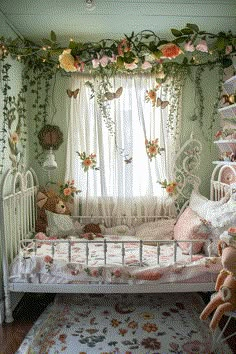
column 130, row 66
column 48, row 259
column 95, row 63
column 94, row 273
column 117, row 273
column 104, row 61
column 40, row 236
column 189, row 47
column 146, row 65
column 113, row 58
column 202, row 46
column 228, row 49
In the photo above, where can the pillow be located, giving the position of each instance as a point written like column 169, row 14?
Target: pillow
column 119, row 230
column 203, row 206
column 189, row 227
column 225, row 215
column 162, row 229
column 94, row 228
column 59, row 224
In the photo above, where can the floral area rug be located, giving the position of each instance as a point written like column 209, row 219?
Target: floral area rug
column 127, row 324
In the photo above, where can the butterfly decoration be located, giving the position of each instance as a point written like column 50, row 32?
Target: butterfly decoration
column 72, row 93
column 162, row 104
column 111, row 95
column 127, row 161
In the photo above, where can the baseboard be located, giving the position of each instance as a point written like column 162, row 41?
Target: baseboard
column 2, row 312
column 15, row 299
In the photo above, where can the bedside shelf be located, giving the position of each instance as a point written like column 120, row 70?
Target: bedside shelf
column 228, row 111
column 230, row 85
column 222, row 163
column 226, row 145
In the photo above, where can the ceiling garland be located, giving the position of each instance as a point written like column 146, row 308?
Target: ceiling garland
column 141, row 52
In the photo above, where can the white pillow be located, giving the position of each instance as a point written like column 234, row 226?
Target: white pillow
column 203, row 206
column 162, row 229
column 59, row 224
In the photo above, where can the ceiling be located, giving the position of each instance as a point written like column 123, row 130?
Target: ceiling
column 34, row 19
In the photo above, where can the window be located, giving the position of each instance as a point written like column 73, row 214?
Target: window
column 134, row 120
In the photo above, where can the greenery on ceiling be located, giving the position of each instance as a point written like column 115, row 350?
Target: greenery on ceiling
column 144, row 52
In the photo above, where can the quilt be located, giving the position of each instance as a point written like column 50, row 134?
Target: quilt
column 43, row 265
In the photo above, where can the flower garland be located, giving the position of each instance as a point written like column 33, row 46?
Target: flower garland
column 135, row 53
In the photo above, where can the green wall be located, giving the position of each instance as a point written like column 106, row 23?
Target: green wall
column 209, row 150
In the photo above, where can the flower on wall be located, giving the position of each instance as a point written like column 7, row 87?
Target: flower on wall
column 88, row 161
column 171, row 187
column 153, row 148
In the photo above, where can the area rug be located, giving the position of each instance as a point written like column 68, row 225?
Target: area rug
column 127, row 324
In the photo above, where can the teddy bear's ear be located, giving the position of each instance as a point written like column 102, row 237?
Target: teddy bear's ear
column 41, row 199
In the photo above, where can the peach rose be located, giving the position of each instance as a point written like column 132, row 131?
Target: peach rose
column 67, row 191
column 152, row 149
column 170, row 50
column 14, row 138
column 87, row 162
column 170, row 189
column 67, row 61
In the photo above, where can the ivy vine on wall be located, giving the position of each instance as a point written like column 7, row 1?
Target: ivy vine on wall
column 14, row 125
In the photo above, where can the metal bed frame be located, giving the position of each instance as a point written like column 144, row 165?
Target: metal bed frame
column 18, row 214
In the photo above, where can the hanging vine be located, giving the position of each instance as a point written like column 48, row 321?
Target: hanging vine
column 40, row 77
column 14, row 121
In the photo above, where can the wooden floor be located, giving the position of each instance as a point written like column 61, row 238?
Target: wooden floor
column 29, row 309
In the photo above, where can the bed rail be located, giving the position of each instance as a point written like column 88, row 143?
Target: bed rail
column 33, row 244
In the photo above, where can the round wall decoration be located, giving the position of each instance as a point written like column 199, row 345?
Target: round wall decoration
column 50, row 136
column 228, row 175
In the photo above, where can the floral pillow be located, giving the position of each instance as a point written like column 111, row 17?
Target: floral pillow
column 191, row 227
column 59, row 225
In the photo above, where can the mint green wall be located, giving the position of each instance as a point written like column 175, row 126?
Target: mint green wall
column 209, row 150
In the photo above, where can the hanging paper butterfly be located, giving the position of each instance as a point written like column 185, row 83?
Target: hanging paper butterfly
column 127, row 161
column 111, row 95
column 72, row 93
column 162, row 104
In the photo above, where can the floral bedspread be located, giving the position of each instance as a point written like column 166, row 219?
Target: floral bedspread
column 50, row 267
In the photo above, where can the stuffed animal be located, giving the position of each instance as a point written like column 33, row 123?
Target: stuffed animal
column 225, row 299
column 48, row 200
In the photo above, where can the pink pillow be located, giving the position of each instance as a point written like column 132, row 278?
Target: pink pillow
column 189, row 227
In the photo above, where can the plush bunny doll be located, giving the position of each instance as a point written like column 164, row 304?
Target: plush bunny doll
column 225, row 299
column 48, row 200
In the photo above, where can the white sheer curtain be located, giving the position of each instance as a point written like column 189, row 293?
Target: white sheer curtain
column 119, row 188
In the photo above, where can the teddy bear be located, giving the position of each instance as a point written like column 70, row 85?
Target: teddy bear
column 48, row 200
column 225, row 298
